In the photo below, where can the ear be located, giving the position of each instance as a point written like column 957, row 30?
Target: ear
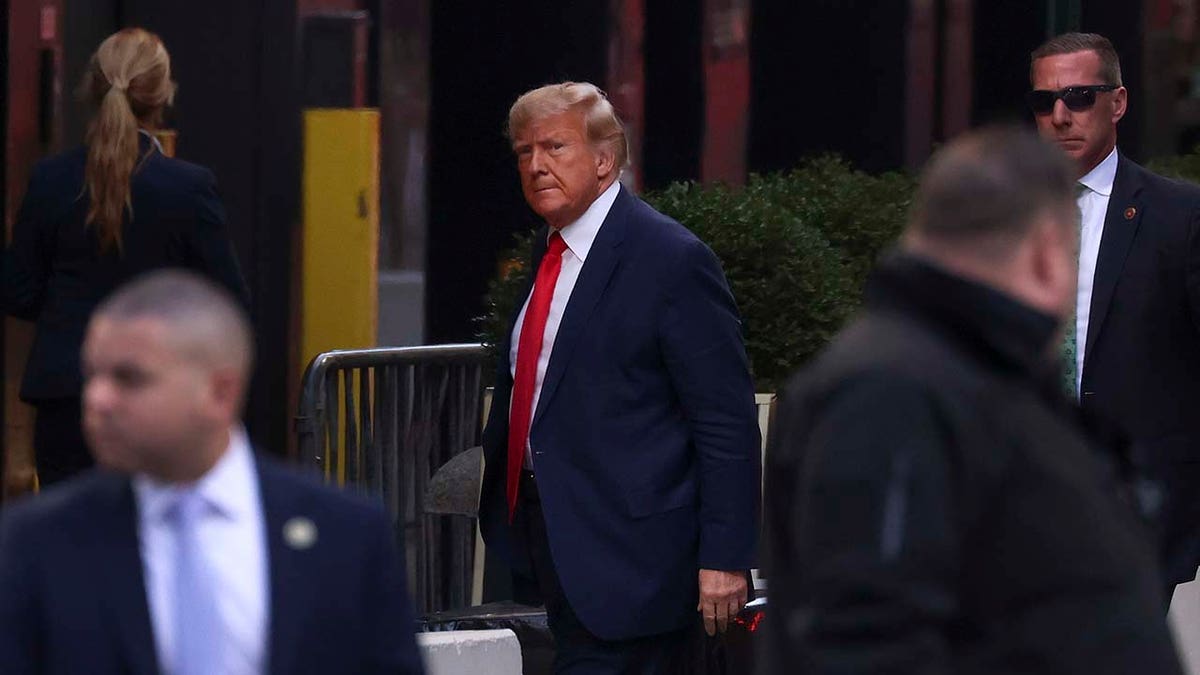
column 226, row 391
column 1120, row 103
column 606, row 162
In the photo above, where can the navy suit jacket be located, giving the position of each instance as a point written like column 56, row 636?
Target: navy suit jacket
column 1141, row 366
column 645, row 438
column 72, row 597
column 55, row 275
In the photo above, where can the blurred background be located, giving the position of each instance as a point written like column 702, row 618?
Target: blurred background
column 712, row 91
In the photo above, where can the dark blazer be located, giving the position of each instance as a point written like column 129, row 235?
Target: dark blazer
column 72, row 597
column 1141, row 366
column 645, row 438
column 55, row 275
column 934, row 505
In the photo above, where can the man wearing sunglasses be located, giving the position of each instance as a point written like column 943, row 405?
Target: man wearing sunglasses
column 1132, row 353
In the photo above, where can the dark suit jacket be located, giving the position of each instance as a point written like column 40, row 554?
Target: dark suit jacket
column 72, row 597
column 1141, row 366
column 55, row 275
column 935, row 506
column 645, row 438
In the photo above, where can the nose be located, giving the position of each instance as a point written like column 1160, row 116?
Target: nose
column 537, row 162
column 1060, row 115
column 97, row 395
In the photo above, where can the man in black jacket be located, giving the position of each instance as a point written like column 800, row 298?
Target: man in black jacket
column 933, row 504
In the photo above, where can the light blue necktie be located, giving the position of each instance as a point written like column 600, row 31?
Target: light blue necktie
column 1069, row 345
column 198, row 631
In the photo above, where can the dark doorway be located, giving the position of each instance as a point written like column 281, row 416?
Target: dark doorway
column 237, row 112
column 827, row 76
column 484, row 55
column 1004, row 35
column 674, row 132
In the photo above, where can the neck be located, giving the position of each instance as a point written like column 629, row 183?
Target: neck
column 1085, row 167
column 1005, row 274
column 605, row 184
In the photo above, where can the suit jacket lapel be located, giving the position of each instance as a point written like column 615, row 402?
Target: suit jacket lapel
column 1121, row 223
column 115, row 541
column 290, row 574
column 589, row 288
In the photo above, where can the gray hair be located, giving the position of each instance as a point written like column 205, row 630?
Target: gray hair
column 604, row 128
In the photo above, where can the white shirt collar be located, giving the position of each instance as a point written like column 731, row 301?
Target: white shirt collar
column 580, row 234
column 229, row 487
column 1100, row 179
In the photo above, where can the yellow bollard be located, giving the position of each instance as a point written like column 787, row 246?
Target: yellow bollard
column 340, row 240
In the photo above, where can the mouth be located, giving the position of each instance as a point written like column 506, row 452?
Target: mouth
column 99, row 433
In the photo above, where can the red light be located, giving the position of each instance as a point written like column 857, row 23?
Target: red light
column 752, row 623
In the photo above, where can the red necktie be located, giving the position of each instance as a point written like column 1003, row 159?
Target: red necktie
column 529, row 350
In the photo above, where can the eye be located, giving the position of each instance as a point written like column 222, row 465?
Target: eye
column 128, row 377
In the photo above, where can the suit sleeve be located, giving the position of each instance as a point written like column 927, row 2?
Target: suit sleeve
column 27, row 260
column 1193, row 263
column 391, row 647
column 701, row 340
column 864, row 546
column 19, row 609
column 210, row 248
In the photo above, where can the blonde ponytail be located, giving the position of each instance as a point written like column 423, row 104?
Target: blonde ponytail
column 129, row 82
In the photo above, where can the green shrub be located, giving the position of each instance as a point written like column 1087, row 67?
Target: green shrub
column 860, row 214
column 504, row 293
column 1179, row 167
column 792, row 290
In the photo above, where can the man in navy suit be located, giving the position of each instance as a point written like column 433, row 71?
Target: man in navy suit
column 1134, row 347
column 184, row 553
column 622, row 450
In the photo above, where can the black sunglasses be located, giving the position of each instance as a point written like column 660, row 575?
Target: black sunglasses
column 1077, row 99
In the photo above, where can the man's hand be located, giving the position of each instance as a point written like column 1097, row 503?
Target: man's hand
column 722, row 596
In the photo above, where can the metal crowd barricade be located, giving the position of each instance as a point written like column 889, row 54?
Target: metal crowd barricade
column 382, row 421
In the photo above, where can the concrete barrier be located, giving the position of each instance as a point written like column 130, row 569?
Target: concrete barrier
column 1184, row 618
column 471, row 652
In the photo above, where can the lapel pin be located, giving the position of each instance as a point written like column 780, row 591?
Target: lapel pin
column 300, row 533
column 1130, row 213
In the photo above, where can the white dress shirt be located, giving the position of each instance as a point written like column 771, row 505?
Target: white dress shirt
column 578, row 236
column 1093, row 205
column 233, row 537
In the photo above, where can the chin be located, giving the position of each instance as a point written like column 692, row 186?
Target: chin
column 111, row 463
column 109, row 457
column 551, row 218
column 547, row 208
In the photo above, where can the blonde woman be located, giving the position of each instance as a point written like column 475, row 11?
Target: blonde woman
column 93, row 218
